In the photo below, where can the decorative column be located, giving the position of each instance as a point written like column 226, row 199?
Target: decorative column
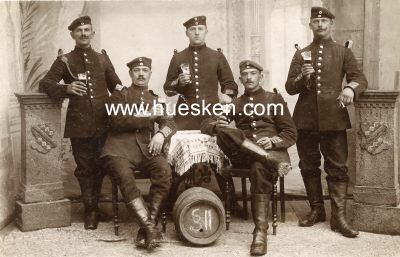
column 41, row 202
column 376, row 194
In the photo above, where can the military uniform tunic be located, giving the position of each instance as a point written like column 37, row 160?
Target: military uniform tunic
column 126, row 148
column 207, row 67
column 320, row 121
column 279, row 127
column 86, row 115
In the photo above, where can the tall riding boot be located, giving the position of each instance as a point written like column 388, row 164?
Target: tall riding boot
column 270, row 159
column 259, row 208
column 156, row 202
column 142, row 216
column 314, row 193
column 337, row 192
column 89, row 203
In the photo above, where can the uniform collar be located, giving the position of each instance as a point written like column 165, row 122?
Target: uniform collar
column 327, row 41
column 137, row 88
column 197, row 48
column 259, row 91
column 82, row 50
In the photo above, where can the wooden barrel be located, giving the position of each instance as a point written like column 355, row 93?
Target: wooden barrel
column 199, row 216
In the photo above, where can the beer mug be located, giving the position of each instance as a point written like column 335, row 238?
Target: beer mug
column 307, row 59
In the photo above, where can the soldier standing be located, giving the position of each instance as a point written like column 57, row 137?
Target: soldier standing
column 322, row 119
column 194, row 75
column 88, row 77
column 131, row 144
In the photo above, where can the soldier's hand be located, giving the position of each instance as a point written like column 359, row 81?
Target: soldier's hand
column 76, row 88
column 265, row 142
column 225, row 99
column 346, row 96
column 156, row 144
column 306, row 70
column 184, row 79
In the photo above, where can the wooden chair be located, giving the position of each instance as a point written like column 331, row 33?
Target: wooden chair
column 138, row 175
column 244, row 174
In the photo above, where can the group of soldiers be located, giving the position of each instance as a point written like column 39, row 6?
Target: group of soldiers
column 119, row 144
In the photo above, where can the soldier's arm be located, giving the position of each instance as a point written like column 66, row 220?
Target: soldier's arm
column 225, row 77
column 167, row 126
column 119, row 121
column 355, row 78
column 50, row 82
column 171, row 85
column 295, row 82
column 287, row 133
column 112, row 78
column 207, row 126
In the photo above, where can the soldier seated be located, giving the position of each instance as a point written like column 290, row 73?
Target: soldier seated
column 131, row 144
column 256, row 141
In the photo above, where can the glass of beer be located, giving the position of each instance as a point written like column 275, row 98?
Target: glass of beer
column 185, row 68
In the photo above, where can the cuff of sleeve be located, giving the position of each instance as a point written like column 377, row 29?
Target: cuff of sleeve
column 166, row 131
column 353, row 85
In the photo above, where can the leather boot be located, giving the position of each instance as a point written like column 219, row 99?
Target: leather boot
column 314, row 193
column 142, row 216
column 270, row 159
column 337, row 192
column 259, row 208
column 89, row 202
column 154, row 210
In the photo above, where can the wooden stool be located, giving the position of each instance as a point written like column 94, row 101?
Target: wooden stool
column 244, row 174
column 114, row 200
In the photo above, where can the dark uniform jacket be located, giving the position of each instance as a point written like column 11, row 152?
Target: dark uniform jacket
column 86, row 115
column 278, row 126
column 130, row 135
column 207, row 67
column 317, row 108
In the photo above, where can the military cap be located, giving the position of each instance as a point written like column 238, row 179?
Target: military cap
column 197, row 20
column 321, row 12
column 140, row 61
column 79, row 22
column 248, row 64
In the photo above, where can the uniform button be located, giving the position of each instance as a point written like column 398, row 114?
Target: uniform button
column 196, row 76
column 320, row 51
column 197, row 90
column 85, row 54
column 195, row 52
column 197, row 82
column 196, row 70
column 319, row 64
column 142, row 93
column 88, row 71
column 90, row 83
column 251, row 98
column 91, row 96
column 318, row 77
column 89, row 78
column 252, row 117
column 254, row 135
column 319, row 92
column 91, row 90
column 197, row 96
column 319, row 71
column 195, row 64
column 196, row 58
column 320, row 58
column 86, row 59
column 318, row 84
column 321, row 46
column 141, row 98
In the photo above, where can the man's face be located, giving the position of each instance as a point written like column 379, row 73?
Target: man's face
column 321, row 27
column 197, row 34
column 140, row 76
column 251, row 79
column 83, row 35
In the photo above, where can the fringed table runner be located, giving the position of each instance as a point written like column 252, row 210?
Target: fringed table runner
column 188, row 147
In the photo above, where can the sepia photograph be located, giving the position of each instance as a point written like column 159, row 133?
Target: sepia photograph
column 200, row 128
